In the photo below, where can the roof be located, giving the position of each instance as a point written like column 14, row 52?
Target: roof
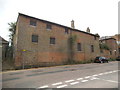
column 58, row 24
column 107, row 39
column 3, row 40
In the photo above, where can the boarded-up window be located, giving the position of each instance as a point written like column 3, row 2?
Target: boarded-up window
column 33, row 22
column 79, row 47
column 52, row 40
column 35, row 38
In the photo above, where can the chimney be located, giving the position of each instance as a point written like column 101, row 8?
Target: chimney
column 88, row 30
column 72, row 24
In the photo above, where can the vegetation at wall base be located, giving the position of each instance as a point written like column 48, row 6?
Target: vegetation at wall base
column 70, row 62
column 104, row 46
column 111, row 59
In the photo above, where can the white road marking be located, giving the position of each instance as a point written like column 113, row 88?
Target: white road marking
column 87, row 76
column 95, row 75
column 100, row 74
column 84, row 80
column 69, row 81
column 93, row 78
column 45, row 86
column 79, row 78
column 61, row 86
column 57, row 83
column 110, row 71
column 106, row 72
column 115, row 71
column 74, row 83
column 110, row 81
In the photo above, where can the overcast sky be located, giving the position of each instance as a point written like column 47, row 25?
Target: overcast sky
column 101, row 16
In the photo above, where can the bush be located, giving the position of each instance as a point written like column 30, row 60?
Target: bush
column 111, row 59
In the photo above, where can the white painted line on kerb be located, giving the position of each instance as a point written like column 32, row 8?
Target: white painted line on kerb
column 84, row 80
column 43, row 86
column 79, row 78
column 69, row 81
column 74, row 83
column 57, row 83
column 61, row 86
column 87, row 76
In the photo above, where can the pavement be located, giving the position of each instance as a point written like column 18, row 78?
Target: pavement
column 93, row 75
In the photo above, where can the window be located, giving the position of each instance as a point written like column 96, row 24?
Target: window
column 33, row 22
column 92, row 48
column 52, row 40
column 115, row 53
column 48, row 27
column 95, row 38
column 35, row 38
column 79, row 46
column 101, row 51
column 110, row 52
column 66, row 30
column 119, row 50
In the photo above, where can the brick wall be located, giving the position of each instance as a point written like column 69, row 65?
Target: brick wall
column 43, row 52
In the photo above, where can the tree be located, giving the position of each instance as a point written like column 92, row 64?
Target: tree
column 12, row 30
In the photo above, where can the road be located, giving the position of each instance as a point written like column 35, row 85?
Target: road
column 93, row 75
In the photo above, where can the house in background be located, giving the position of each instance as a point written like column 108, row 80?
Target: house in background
column 117, row 37
column 109, row 47
column 3, row 46
column 41, row 42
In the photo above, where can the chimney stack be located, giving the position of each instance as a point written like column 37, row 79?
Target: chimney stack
column 72, row 24
column 88, row 30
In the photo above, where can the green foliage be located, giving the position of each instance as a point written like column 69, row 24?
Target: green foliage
column 71, row 42
column 12, row 30
column 85, row 61
column 72, row 39
column 111, row 59
column 104, row 46
column 78, row 62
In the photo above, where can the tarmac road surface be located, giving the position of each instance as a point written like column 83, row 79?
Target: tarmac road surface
column 93, row 75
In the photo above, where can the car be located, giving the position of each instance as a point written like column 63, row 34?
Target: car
column 100, row 59
column 118, row 58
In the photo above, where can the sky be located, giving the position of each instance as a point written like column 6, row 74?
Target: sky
column 101, row 16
